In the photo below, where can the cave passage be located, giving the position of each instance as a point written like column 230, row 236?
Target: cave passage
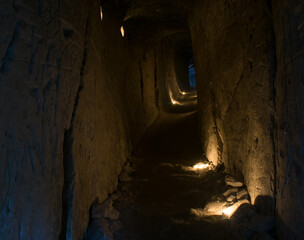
column 151, row 119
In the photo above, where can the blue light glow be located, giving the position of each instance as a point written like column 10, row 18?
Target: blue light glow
column 191, row 71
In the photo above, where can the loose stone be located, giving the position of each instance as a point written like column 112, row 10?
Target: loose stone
column 232, row 182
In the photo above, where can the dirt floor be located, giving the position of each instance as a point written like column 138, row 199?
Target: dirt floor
column 158, row 193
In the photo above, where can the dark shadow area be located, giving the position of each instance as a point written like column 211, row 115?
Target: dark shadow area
column 172, row 135
column 66, row 190
column 264, row 205
column 248, row 222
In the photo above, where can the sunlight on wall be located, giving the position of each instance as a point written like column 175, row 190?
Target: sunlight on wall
column 173, row 101
column 101, row 14
column 122, row 31
column 212, row 150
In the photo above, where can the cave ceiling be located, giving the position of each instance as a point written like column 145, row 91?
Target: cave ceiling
column 152, row 20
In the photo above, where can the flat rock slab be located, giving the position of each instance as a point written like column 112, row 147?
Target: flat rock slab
column 241, row 194
column 230, row 181
column 231, row 198
column 230, row 191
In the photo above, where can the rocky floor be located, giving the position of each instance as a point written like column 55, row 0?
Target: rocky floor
column 167, row 191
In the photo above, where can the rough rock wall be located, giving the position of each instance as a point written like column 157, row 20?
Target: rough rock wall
column 116, row 104
column 234, row 59
column 168, row 74
column 148, row 66
column 71, row 107
column 289, row 30
column 39, row 75
column 165, row 73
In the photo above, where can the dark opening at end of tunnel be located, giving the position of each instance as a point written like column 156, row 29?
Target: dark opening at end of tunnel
column 191, row 71
column 180, row 82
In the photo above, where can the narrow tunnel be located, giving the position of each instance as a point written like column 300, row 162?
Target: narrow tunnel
column 155, row 119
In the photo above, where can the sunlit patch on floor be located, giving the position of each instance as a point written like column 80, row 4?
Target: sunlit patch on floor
column 211, row 209
column 218, row 209
column 199, row 167
column 229, row 211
